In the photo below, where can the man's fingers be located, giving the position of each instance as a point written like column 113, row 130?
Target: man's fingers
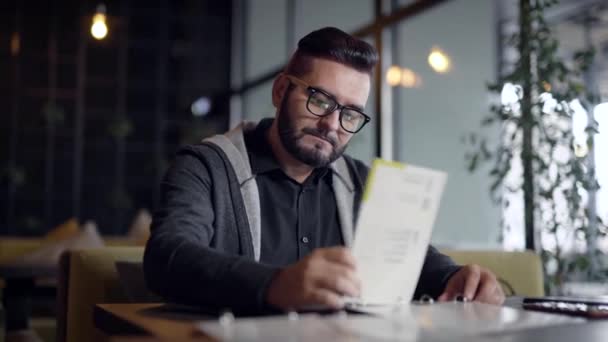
column 499, row 296
column 322, row 278
column 445, row 297
column 496, row 297
column 487, row 289
column 340, row 280
column 471, row 281
column 451, row 289
column 328, row 298
column 474, row 283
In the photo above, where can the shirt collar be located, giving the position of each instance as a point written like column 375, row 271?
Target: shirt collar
column 260, row 153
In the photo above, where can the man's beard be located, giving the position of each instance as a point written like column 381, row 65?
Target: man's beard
column 290, row 138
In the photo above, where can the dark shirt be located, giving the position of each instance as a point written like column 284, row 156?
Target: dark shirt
column 296, row 218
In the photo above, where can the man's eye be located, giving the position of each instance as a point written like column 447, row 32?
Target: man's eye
column 350, row 115
column 320, row 103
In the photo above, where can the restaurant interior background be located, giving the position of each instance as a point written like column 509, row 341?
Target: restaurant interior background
column 96, row 97
column 91, row 123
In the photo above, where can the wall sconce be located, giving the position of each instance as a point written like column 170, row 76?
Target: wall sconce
column 15, row 44
column 439, row 60
column 410, row 79
column 99, row 28
column 393, row 76
column 407, row 78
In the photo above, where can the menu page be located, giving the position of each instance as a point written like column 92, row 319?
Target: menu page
column 397, row 214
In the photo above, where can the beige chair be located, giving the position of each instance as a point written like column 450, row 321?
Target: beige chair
column 89, row 277
column 520, row 273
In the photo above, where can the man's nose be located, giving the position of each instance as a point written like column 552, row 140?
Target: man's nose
column 331, row 121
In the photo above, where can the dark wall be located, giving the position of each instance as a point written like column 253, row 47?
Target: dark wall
column 88, row 127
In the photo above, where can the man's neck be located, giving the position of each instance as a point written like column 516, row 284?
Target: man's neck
column 292, row 167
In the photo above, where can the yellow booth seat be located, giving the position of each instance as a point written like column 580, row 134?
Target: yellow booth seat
column 520, row 273
column 13, row 247
column 89, row 277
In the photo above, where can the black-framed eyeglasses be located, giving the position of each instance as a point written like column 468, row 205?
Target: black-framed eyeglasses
column 320, row 103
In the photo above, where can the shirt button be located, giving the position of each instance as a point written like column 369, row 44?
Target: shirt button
column 304, row 239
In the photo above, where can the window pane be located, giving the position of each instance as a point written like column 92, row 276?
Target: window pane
column 265, row 37
column 347, row 15
column 257, row 103
column 434, row 110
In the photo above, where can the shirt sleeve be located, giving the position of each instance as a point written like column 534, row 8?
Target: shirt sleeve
column 436, row 271
column 179, row 262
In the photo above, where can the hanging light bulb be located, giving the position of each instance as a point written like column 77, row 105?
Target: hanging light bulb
column 99, row 29
column 393, row 75
column 439, row 60
column 409, row 78
column 15, row 44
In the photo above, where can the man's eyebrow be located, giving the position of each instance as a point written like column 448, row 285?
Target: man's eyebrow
column 350, row 105
column 357, row 107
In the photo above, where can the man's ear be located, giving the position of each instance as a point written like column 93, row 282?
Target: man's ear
column 279, row 89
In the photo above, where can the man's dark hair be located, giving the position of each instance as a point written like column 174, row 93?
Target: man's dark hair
column 335, row 45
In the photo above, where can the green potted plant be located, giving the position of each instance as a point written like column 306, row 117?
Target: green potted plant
column 539, row 157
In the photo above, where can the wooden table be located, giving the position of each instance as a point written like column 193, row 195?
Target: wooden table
column 156, row 320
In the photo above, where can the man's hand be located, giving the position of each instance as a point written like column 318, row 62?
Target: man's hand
column 321, row 278
column 474, row 283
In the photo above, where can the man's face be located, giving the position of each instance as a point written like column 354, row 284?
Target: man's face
column 313, row 140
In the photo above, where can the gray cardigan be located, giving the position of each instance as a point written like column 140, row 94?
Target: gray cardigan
column 206, row 235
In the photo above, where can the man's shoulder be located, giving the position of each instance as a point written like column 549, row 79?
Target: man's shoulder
column 203, row 153
column 202, row 161
column 202, row 149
